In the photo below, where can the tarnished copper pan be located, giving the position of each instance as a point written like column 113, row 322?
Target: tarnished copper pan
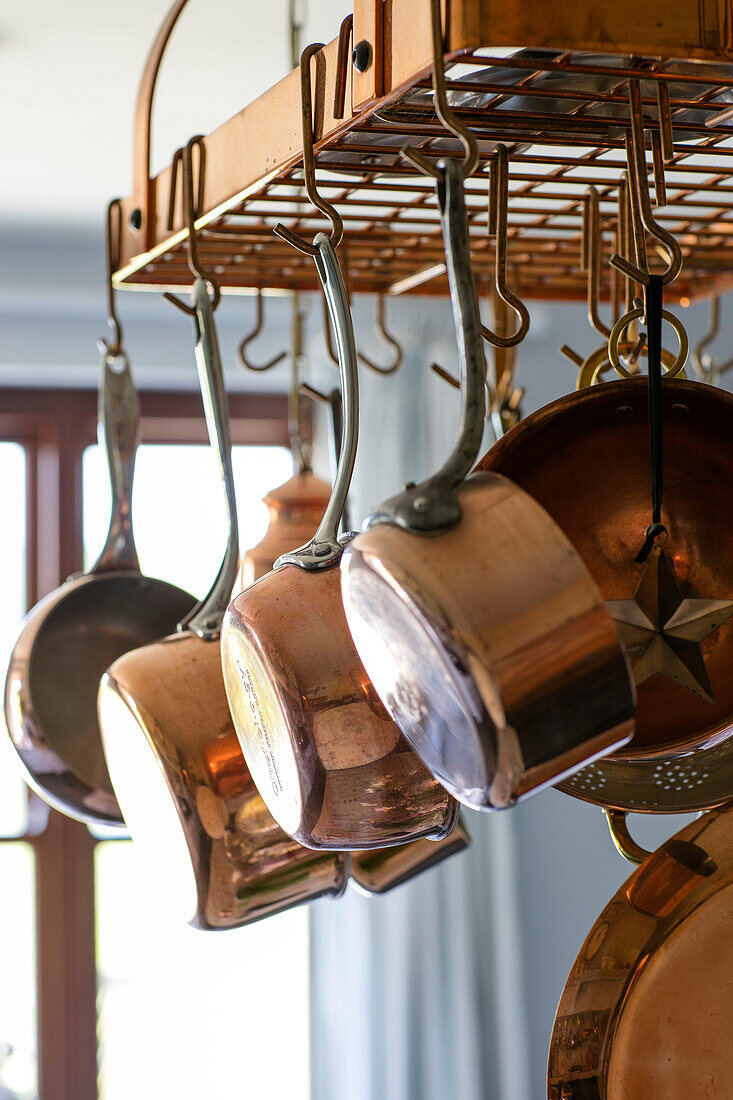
column 478, row 623
column 329, row 762
column 646, row 1013
column 296, row 508
column 168, row 735
column 585, row 459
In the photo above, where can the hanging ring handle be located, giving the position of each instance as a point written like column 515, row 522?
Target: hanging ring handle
column 498, row 208
column 309, row 165
column 616, row 337
column 258, row 368
column 194, row 262
column 639, row 189
column 443, row 110
column 622, row 839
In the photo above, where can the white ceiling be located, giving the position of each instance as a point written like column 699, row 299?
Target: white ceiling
column 68, row 82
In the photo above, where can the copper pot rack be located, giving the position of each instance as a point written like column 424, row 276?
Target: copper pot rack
column 561, row 112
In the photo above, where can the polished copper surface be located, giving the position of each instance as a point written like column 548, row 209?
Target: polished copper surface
column 296, row 508
column 245, row 867
column 490, row 645
column 585, row 458
column 329, row 762
column 646, row 1011
column 382, row 869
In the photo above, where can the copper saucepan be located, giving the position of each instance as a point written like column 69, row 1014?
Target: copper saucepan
column 646, row 1011
column 176, row 765
column 331, row 766
column 585, row 458
column 479, row 625
column 71, row 636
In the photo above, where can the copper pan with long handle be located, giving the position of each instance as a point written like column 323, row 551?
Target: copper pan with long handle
column 328, row 760
column 71, row 636
column 188, row 798
column 481, row 628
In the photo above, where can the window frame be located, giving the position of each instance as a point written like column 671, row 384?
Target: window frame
column 55, row 427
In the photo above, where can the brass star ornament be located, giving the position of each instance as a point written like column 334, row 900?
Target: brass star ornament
column 663, row 631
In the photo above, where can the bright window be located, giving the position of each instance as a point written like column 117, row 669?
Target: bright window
column 18, row 1068
column 181, row 1012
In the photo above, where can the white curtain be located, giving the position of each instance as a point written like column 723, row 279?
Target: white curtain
column 448, row 986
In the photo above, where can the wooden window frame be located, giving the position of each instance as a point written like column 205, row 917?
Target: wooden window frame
column 55, row 427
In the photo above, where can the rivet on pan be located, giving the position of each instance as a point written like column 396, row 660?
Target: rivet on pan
column 420, row 504
column 362, row 56
column 624, row 409
column 680, row 408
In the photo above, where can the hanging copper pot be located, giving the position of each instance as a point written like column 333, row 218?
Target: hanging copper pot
column 479, row 625
column 175, row 762
column 585, row 459
column 646, row 1011
column 296, row 508
column 330, row 764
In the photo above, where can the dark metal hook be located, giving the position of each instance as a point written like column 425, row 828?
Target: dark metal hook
column 258, row 368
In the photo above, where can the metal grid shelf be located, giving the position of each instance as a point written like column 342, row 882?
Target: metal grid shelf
column 563, row 117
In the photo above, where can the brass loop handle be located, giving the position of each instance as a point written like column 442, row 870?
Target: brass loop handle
column 598, row 362
column 618, row 330
column 443, row 110
column 309, row 164
column 622, row 839
column 498, row 206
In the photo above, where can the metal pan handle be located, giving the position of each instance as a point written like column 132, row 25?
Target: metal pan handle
column 206, row 618
column 119, row 434
column 325, row 549
column 432, row 506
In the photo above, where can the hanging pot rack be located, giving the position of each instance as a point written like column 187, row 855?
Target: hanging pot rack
column 562, row 116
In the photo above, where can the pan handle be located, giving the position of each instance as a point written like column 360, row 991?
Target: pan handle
column 325, row 548
column 432, row 506
column 206, row 618
column 119, row 434
column 623, row 841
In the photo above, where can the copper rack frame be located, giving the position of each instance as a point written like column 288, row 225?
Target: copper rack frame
column 251, row 174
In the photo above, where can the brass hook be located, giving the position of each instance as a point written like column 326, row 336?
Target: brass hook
column 112, row 347
column 498, row 205
column 241, row 350
column 388, row 339
column 706, row 367
column 592, row 249
column 443, row 109
column 309, row 164
column 701, row 368
column 641, row 206
column 194, row 261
